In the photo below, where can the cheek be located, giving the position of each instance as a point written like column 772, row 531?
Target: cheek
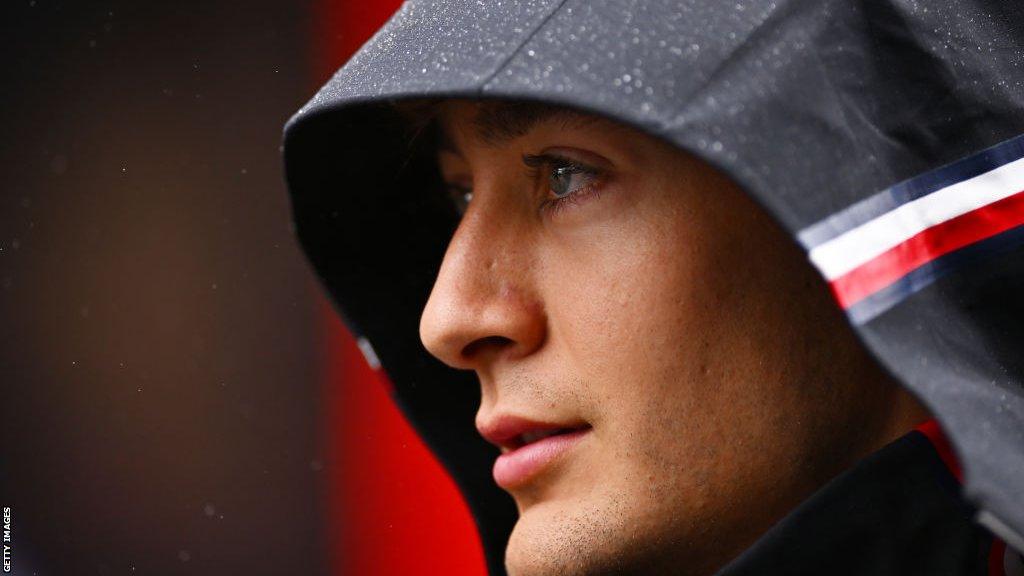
column 631, row 314
column 645, row 312
column 629, row 320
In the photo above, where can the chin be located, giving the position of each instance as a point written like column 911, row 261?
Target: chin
column 571, row 538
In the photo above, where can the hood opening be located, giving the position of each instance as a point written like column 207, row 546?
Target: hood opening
column 376, row 237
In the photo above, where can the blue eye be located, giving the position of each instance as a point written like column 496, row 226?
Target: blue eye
column 568, row 179
column 561, row 180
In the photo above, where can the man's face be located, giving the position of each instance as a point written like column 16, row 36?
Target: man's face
column 610, row 288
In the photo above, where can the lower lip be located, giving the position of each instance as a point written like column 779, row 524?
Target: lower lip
column 516, row 467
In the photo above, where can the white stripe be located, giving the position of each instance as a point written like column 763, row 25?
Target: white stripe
column 368, row 352
column 871, row 239
column 1014, row 541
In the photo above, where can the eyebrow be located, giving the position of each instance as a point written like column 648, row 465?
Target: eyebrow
column 498, row 123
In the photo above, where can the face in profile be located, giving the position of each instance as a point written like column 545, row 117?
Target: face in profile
column 662, row 370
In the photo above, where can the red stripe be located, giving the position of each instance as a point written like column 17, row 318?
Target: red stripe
column 926, row 246
column 941, row 444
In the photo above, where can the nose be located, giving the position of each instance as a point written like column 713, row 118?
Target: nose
column 483, row 305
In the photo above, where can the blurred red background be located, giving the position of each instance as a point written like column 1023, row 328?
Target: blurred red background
column 395, row 511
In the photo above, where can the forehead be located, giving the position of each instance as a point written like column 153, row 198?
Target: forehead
column 494, row 124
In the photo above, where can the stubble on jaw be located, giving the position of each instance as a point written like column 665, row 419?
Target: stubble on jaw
column 605, row 538
column 576, row 542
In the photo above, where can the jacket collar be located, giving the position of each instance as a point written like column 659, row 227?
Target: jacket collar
column 898, row 512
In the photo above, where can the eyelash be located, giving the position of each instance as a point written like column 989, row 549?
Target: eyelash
column 545, row 165
column 538, row 166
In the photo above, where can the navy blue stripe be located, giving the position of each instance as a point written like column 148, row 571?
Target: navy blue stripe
column 909, row 190
column 923, row 276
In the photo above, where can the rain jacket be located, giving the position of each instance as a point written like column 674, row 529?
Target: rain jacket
column 884, row 135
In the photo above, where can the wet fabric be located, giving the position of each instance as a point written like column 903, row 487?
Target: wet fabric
column 831, row 114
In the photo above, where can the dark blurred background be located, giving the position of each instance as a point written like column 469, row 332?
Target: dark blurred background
column 175, row 395
column 159, row 365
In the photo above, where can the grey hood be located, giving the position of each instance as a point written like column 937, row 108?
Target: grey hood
column 844, row 119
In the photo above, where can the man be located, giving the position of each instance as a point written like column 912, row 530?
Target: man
column 671, row 386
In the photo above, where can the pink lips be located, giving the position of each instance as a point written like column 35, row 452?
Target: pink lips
column 513, row 468
column 527, row 446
